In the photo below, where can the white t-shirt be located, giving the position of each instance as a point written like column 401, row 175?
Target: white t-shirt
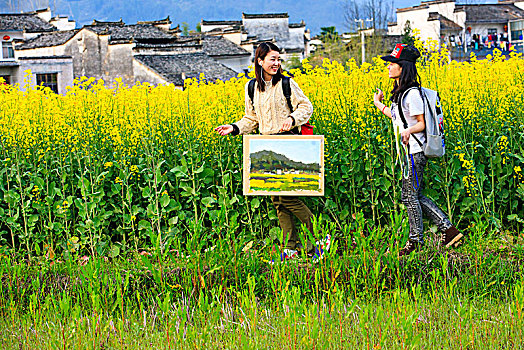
column 412, row 105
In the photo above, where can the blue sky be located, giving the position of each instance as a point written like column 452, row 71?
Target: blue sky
column 307, row 151
column 316, row 13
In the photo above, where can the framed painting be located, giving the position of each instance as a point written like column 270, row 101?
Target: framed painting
column 283, row 165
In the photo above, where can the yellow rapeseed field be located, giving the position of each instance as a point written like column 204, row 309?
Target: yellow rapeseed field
column 103, row 162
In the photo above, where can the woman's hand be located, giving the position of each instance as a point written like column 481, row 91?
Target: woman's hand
column 405, row 136
column 288, row 124
column 224, row 129
column 377, row 100
column 378, row 96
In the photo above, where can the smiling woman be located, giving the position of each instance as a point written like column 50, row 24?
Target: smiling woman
column 267, row 109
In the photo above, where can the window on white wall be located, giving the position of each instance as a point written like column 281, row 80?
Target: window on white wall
column 7, row 50
column 49, row 79
column 492, row 31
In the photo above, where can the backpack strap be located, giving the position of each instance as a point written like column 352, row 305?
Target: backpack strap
column 251, row 90
column 403, row 118
column 286, row 89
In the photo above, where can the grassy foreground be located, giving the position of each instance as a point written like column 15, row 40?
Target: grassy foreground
column 224, row 294
column 398, row 321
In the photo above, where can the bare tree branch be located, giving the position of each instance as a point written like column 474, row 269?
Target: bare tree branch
column 379, row 12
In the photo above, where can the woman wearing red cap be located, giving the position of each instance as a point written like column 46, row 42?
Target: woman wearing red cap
column 407, row 96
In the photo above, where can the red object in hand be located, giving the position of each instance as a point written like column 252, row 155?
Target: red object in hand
column 306, row 129
column 6, row 37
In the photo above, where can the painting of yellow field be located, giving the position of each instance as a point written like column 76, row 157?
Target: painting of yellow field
column 283, row 165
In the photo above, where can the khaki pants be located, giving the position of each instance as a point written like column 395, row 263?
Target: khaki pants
column 286, row 207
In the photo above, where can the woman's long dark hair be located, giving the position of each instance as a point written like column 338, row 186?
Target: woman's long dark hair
column 408, row 78
column 262, row 50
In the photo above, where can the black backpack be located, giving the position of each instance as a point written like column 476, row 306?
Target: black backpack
column 286, row 89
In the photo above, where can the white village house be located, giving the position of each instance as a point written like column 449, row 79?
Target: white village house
column 475, row 25
column 147, row 51
column 292, row 38
column 55, row 71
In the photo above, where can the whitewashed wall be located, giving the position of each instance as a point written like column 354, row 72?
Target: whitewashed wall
column 63, row 67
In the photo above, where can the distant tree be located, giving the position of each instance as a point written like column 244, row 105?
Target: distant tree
column 199, row 27
column 334, row 50
column 377, row 12
column 293, row 63
column 407, row 37
column 332, row 47
column 185, row 29
column 368, row 14
column 328, row 34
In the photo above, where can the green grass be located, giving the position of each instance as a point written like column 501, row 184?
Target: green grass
column 222, row 293
column 395, row 322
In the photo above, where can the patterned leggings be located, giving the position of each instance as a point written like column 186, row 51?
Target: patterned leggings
column 416, row 202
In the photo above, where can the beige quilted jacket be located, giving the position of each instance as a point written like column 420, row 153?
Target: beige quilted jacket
column 271, row 109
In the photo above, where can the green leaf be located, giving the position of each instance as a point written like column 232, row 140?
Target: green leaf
column 114, row 251
column 179, row 171
column 233, row 200
column 164, row 200
column 255, row 203
column 188, row 191
column 330, row 204
column 207, row 175
column 33, row 218
column 512, row 217
column 208, row 201
column 274, row 233
column 199, row 170
column 151, row 210
column 144, row 224
column 40, row 182
column 83, row 183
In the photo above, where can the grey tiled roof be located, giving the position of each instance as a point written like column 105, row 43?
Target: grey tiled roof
column 30, row 23
column 264, row 15
column 48, row 39
column 491, row 13
column 229, row 29
column 120, row 33
column 9, row 64
column 445, row 23
column 46, row 58
column 108, row 23
column 174, row 67
column 411, row 8
column 297, row 25
column 159, row 21
column 220, row 46
column 204, row 22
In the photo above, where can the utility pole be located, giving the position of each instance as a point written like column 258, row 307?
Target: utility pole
column 363, row 42
column 362, row 36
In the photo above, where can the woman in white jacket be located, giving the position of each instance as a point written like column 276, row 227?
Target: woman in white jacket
column 269, row 112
